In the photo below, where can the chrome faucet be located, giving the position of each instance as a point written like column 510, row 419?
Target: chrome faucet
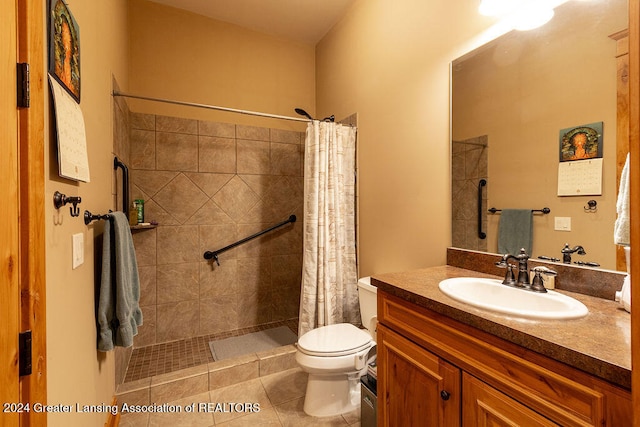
column 567, row 251
column 523, row 269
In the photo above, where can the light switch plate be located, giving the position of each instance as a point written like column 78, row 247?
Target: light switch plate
column 77, row 251
column 563, row 223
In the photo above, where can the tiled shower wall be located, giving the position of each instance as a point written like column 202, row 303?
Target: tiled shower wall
column 209, row 184
column 469, row 164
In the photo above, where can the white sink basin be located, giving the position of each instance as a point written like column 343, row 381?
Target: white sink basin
column 492, row 295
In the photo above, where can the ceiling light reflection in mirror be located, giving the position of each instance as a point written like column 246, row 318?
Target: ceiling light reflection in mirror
column 522, row 15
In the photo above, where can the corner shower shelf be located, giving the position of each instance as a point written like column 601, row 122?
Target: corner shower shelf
column 143, row 227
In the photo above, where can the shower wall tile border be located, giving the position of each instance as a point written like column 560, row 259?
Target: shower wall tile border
column 143, row 121
column 147, row 332
column 208, row 128
column 176, row 125
column 253, row 157
column 252, row 132
column 216, row 154
column 145, row 245
column 176, row 152
column 148, row 285
column 286, row 136
column 143, row 149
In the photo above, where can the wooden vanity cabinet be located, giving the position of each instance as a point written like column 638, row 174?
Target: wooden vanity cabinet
column 435, row 371
column 425, row 388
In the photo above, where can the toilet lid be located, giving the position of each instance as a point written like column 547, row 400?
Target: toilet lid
column 334, row 340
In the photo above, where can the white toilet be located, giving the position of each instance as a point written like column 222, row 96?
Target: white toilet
column 335, row 356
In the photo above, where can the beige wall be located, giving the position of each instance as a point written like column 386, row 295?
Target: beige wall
column 389, row 62
column 182, row 56
column 77, row 372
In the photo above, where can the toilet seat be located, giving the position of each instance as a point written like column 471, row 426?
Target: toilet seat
column 334, row 340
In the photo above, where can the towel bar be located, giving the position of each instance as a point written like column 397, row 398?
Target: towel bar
column 543, row 210
column 89, row 217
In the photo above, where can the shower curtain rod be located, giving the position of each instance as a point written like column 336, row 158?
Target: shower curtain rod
column 211, row 107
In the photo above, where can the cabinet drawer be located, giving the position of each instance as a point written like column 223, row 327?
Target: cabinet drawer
column 483, row 405
column 552, row 389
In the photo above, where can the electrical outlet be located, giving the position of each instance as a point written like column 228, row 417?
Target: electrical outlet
column 77, row 252
column 563, row 223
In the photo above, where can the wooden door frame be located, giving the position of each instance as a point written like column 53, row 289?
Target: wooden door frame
column 31, row 226
column 9, row 247
column 634, row 185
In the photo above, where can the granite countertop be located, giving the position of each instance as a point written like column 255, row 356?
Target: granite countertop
column 599, row 343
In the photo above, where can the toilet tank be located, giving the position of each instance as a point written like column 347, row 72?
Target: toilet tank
column 367, row 296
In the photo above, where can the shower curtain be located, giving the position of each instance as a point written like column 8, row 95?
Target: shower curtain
column 329, row 277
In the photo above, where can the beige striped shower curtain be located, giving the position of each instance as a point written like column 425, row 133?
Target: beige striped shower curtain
column 329, row 275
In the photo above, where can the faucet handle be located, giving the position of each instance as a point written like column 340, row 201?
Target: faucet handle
column 509, row 277
column 545, row 270
column 537, row 284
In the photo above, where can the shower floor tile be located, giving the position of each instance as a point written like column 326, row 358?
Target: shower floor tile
column 168, row 357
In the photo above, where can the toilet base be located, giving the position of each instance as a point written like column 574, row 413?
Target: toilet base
column 329, row 395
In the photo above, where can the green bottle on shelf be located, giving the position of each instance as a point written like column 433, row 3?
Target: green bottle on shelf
column 140, row 208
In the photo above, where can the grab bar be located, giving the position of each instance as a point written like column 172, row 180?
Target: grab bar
column 214, row 254
column 125, row 183
column 543, row 210
column 481, row 234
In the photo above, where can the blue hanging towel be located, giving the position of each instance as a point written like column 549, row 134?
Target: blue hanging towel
column 119, row 314
column 515, row 231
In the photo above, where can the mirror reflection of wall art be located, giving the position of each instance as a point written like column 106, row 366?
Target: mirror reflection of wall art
column 582, row 142
column 64, row 48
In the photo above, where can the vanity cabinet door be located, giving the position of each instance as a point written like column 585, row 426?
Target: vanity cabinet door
column 484, row 406
column 416, row 388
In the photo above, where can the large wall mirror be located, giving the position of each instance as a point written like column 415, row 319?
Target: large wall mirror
column 510, row 100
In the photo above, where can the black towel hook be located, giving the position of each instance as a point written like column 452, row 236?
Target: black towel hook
column 60, row 200
column 591, row 207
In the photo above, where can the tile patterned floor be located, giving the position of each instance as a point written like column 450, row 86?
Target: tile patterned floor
column 272, row 400
column 163, row 358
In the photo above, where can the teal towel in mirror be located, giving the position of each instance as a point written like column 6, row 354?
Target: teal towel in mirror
column 515, row 231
